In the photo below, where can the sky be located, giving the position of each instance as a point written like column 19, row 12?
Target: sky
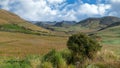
column 59, row 10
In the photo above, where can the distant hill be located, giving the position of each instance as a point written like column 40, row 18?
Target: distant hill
column 86, row 25
column 96, row 23
column 44, row 24
column 111, row 25
column 54, row 23
column 114, row 24
column 7, row 17
column 65, row 23
column 62, row 26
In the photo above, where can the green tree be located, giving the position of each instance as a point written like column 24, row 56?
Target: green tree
column 82, row 47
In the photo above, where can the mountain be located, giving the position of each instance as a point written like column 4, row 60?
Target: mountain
column 65, row 23
column 44, row 24
column 8, row 18
column 62, row 26
column 97, row 23
column 86, row 25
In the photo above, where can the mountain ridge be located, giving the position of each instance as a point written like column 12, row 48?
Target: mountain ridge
column 98, row 22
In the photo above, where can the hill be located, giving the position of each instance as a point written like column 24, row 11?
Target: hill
column 97, row 23
column 43, row 24
column 8, row 18
column 110, row 38
column 64, row 23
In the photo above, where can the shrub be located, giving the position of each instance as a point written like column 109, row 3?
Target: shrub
column 34, row 60
column 56, row 59
column 46, row 65
column 82, row 47
column 66, row 54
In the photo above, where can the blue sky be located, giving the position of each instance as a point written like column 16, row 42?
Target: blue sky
column 58, row 10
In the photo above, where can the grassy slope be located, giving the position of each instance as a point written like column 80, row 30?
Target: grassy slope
column 10, row 18
column 111, row 38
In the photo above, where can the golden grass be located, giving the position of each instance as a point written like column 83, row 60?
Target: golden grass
column 18, row 44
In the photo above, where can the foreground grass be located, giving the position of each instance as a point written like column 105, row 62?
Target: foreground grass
column 55, row 59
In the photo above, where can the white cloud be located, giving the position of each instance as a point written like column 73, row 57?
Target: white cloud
column 115, row 9
column 102, row 9
column 4, row 4
column 53, row 10
column 88, row 9
column 115, row 1
column 56, row 1
column 93, row 10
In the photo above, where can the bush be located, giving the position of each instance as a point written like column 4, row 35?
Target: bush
column 46, row 65
column 82, row 47
column 66, row 54
column 56, row 59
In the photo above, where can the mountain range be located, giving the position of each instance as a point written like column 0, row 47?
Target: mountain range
column 89, row 24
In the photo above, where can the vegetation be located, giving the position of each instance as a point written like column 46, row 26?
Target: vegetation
column 14, row 28
column 110, row 38
column 56, row 59
column 82, row 47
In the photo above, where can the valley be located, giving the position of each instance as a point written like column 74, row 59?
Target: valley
column 20, row 38
column 29, row 37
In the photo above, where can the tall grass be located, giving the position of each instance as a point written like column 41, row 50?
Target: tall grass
column 56, row 59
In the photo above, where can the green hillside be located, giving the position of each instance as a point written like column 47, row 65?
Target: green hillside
column 110, row 37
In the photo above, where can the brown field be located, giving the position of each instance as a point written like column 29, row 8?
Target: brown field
column 18, row 44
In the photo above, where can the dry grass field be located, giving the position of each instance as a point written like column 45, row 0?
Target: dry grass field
column 19, row 44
